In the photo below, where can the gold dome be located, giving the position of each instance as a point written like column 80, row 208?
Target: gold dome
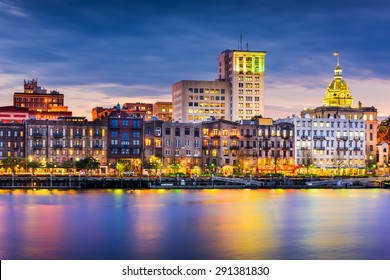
column 338, row 93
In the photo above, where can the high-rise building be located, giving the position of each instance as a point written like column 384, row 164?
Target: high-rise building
column 237, row 94
column 138, row 109
column 245, row 72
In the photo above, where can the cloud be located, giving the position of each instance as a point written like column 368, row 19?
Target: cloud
column 9, row 8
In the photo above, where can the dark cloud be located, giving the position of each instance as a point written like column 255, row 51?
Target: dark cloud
column 158, row 43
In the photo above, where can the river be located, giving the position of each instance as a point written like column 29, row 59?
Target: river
column 195, row 224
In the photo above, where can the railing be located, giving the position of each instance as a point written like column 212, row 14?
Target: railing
column 58, row 134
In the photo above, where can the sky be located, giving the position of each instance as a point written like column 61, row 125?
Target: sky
column 99, row 53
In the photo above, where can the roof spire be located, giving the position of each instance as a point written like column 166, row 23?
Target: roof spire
column 336, row 54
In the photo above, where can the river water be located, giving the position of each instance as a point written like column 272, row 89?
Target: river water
column 195, row 224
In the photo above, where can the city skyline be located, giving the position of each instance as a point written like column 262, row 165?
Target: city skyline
column 98, row 53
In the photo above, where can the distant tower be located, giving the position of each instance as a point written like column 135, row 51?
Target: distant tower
column 338, row 93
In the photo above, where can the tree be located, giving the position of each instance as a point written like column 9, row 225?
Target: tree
column 307, row 159
column 121, row 167
column 67, row 165
column 87, row 164
column 34, row 165
column 13, row 163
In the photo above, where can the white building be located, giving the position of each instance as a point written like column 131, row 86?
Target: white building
column 328, row 142
column 194, row 101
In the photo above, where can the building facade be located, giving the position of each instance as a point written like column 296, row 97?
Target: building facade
column 12, row 140
column 163, row 111
column 182, row 147
column 41, row 103
column 244, row 70
column 66, row 139
column 330, row 145
column 196, row 101
column 338, row 102
column 125, row 140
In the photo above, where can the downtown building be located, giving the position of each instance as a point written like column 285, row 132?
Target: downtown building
column 40, row 103
column 239, row 87
column 335, row 138
column 67, row 139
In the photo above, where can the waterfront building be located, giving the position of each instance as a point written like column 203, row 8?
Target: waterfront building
column 382, row 155
column 138, row 109
column 12, row 139
column 331, row 145
column 182, row 147
column 13, row 114
column 125, row 140
column 254, row 147
column 237, row 94
column 67, row 139
column 244, row 70
column 196, row 101
column 338, row 102
column 163, row 111
column 153, row 146
column 41, row 103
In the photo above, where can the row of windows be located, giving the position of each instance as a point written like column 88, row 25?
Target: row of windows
column 201, row 104
column 125, row 151
column 206, row 90
column 206, row 98
column 249, row 85
column 249, row 78
column 248, row 92
column 125, row 123
column 10, row 144
column 207, row 111
column 64, row 132
column 10, row 154
column 125, row 135
column 332, row 133
column 331, row 124
column 69, row 152
column 9, row 133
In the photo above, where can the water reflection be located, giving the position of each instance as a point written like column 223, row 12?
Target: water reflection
column 189, row 224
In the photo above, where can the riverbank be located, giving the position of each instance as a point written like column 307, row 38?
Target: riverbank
column 80, row 182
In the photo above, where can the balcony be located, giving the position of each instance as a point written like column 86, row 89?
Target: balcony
column 205, row 146
column 304, row 137
column 319, row 137
column 234, row 147
column 356, row 139
column 357, row 149
column 97, row 147
column 215, row 146
column 285, row 148
column 216, row 136
column 37, row 134
column 97, row 135
column 78, row 146
column 342, row 148
column 343, row 138
column 248, row 135
column 234, row 136
column 319, row 148
column 248, row 147
column 304, row 148
column 77, row 135
column 58, row 135
column 57, row 146
column 37, row 146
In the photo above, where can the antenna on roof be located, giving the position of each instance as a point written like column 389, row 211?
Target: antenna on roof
column 247, row 46
column 241, row 41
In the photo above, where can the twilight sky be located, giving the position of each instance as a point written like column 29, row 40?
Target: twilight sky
column 99, row 53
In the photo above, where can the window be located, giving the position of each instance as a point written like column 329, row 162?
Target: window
column 167, row 131
column 125, row 122
column 114, row 123
column 187, row 131
column 136, row 123
column 136, row 134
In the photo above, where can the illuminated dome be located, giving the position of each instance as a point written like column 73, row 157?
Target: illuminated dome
column 338, row 93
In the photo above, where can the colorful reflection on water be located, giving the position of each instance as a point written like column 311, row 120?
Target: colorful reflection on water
column 195, row 224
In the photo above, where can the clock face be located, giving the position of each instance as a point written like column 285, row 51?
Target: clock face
column 342, row 95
